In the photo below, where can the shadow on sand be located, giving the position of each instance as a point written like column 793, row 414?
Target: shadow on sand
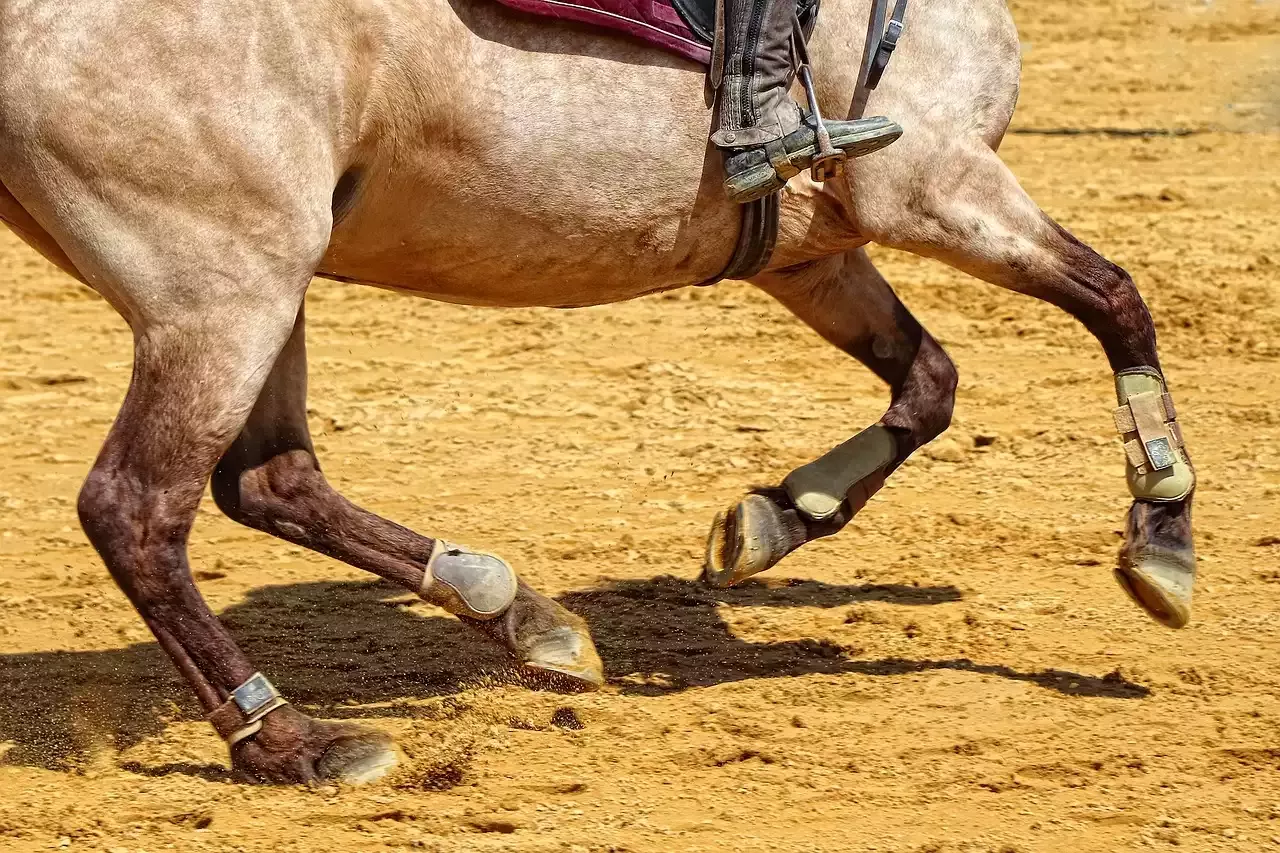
column 335, row 646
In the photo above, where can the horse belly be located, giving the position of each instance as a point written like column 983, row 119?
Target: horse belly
column 577, row 173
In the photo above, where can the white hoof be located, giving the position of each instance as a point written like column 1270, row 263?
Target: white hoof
column 567, row 652
column 357, row 762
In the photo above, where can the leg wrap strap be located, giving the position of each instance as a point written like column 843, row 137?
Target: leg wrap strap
column 1157, row 467
column 468, row 583
column 818, row 488
column 241, row 715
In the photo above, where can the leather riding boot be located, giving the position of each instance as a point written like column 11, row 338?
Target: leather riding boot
column 765, row 137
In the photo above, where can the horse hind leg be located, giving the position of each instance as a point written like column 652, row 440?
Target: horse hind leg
column 973, row 215
column 270, row 480
column 848, row 302
column 212, row 282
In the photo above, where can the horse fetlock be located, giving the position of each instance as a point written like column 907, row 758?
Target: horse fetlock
column 1157, row 466
column 820, row 488
column 468, row 583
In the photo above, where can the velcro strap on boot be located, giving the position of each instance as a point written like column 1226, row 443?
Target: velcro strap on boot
column 1158, row 468
column 1147, row 412
column 1124, row 416
column 241, row 715
column 468, row 583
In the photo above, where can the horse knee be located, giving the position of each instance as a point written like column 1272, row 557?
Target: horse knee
column 104, row 507
column 275, row 496
column 140, row 532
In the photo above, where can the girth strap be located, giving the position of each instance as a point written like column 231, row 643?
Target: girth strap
column 756, row 239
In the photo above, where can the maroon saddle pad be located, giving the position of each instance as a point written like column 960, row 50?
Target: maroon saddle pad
column 684, row 27
column 655, row 21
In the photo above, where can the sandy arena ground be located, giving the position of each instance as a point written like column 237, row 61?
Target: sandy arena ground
column 956, row 672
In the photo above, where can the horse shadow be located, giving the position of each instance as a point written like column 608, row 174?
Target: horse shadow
column 359, row 649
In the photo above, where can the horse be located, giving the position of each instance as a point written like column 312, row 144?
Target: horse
column 198, row 162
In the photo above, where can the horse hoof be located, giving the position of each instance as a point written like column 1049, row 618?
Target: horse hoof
column 357, row 760
column 743, row 542
column 568, row 656
column 1160, row 582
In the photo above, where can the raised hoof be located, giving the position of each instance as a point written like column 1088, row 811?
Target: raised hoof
column 744, row 542
column 1160, row 582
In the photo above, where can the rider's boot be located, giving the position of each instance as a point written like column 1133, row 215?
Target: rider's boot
column 764, row 136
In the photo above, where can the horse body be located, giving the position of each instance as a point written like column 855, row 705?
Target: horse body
column 198, row 161
column 563, row 166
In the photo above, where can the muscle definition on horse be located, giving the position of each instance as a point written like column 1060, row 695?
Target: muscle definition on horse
column 197, row 163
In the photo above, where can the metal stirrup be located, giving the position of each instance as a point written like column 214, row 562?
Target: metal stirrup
column 828, row 161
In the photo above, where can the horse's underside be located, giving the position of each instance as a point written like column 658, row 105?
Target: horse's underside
column 198, row 162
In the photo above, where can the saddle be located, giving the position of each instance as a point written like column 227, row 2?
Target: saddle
column 687, row 28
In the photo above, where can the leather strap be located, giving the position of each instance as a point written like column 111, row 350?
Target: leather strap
column 241, row 715
column 717, row 48
column 887, row 39
column 756, row 239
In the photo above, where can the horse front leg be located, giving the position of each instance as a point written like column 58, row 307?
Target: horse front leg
column 195, row 376
column 270, row 480
column 848, row 302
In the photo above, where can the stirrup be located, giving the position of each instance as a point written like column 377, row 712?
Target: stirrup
column 828, row 161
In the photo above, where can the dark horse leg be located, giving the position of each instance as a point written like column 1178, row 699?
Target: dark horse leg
column 196, row 374
column 848, row 302
column 270, row 479
column 978, row 219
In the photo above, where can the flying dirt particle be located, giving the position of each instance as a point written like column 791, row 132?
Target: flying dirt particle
column 567, row 718
column 985, row 439
column 1267, row 541
column 522, row 724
